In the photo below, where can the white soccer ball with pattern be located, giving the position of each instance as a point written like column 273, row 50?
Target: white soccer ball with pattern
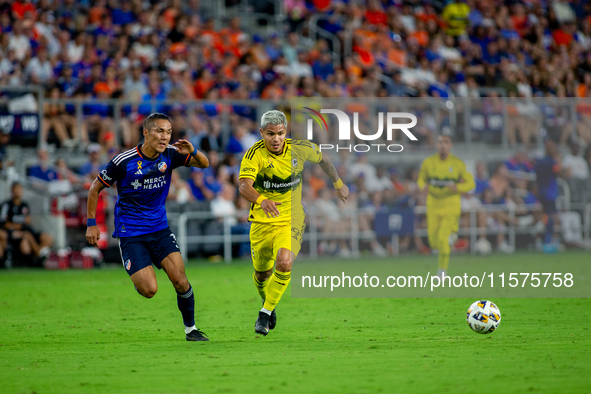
column 483, row 317
column 483, row 246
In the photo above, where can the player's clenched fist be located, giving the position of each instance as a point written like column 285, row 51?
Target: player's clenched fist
column 270, row 208
column 93, row 235
column 343, row 193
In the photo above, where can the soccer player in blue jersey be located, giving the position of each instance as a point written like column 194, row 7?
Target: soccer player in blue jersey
column 547, row 170
column 143, row 179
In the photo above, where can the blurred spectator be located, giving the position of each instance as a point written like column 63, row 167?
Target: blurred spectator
column 368, row 212
column 93, row 166
column 499, row 183
column 481, row 178
column 19, row 40
column 43, row 171
column 4, row 139
column 296, row 11
column 224, row 205
column 323, row 67
column 15, row 218
column 180, row 191
column 519, row 166
column 38, row 70
column 574, row 164
column 523, row 116
column 198, row 186
column 497, row 218
column 64, row 173
column 330, row 222
column 60, row 121
column 300, row 68
column 135, row 87
column 392, row 183
column 240, row 140
column 366, row 170
column 455, row 14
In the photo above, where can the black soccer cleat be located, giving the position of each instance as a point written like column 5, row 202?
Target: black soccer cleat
column 273, row 319
column 262, row 324
column 197, row 335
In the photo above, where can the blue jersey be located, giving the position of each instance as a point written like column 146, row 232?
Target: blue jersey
column 546, row 170
column 142, row 187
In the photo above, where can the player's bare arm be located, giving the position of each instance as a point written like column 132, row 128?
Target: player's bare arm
column 330, row 170
column 198, row 159
column 93, row 233
column 249, row 193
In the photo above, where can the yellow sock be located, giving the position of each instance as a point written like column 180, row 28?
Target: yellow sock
column 261, row 286
column 276, row 288
column 443, row 261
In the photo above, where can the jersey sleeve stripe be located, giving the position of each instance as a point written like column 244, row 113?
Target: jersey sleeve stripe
column 247, row 176
column 123, row 154
column 253, row 150
column 118, row 159
column 187, row 160
column 101, row 179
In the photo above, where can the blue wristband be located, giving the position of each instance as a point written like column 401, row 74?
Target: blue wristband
column 90, row 222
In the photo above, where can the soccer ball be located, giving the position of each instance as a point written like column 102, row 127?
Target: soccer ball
column 483, row 317
column 483, row 246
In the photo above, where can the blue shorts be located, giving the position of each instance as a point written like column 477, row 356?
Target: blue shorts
column 142, row 251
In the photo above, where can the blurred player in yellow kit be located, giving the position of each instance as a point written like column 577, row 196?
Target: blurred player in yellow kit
column 444, row 177
column 270, row 179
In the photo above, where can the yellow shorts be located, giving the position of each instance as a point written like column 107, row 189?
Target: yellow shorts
column 266, row 240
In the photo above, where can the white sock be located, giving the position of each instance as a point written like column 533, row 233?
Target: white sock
column 441, row 273
column 268, row 312
column 189, row 329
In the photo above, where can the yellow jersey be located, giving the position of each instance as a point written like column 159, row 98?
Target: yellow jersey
column 439, row 174
column 279, row 177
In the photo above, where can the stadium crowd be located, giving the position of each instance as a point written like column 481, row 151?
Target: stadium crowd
column 147, row 53
column 171, row 50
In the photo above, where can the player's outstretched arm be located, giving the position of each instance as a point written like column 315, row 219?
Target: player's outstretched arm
column 330, row 170
column 93, row 233
column 250, row 194
column 198, row 159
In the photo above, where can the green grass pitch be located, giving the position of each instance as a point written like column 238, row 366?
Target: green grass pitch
column 90, row 332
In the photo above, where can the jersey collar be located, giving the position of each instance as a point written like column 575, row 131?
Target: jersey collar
column 143, row 156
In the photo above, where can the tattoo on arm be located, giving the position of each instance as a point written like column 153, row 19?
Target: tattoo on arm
column 329, row 168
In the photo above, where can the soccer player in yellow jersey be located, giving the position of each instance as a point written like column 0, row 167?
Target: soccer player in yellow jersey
column 270, row 178
column 444, row 177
